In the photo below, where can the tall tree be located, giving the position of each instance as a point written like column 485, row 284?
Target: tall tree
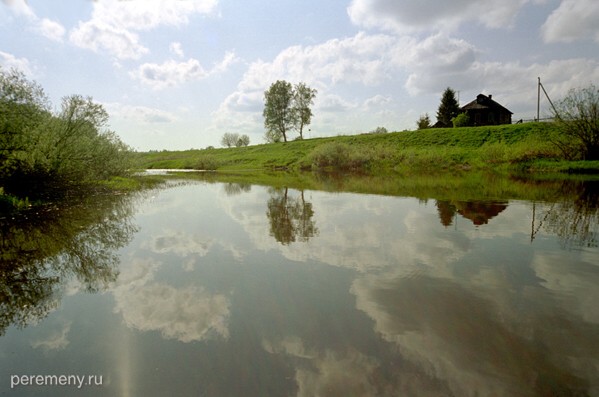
column 303, row 98
column 449, row 107
column 243, row 140
column 278, row 113
column 577, row 116
column 229, row 139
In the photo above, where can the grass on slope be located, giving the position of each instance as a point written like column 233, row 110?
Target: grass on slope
column 468, row 147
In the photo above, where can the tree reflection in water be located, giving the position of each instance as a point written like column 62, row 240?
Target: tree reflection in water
column 575, row 220
column 290, row 217
column 42, row 251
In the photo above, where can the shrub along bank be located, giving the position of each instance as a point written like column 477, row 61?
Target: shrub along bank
column 45, row 155
column 506, row 147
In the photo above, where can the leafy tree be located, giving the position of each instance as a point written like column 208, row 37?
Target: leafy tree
column 23, row 105
column 42, row 152
column 577, row 115
column 424, row 122
column 303, row 98
column 279, row 117
column 379, row 130
column 229, row 139
column 243, row 140
column 287, row 107
column 448, row 108
column 461, row 120
column 73, row 147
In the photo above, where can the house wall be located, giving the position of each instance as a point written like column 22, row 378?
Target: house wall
column 488, row 117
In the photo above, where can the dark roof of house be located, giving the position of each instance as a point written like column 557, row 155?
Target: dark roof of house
column 484, row 102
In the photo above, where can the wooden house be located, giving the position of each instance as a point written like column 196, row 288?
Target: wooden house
column 485, row 111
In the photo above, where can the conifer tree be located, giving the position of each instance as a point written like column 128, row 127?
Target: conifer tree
column 449, row 107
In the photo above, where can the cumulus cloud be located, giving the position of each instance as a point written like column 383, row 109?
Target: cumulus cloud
column 20, row 7
column 172, row 73
column 99, row 36
column 407, row 16
column 46, row 27
column 377, row 101
column 333, row 103
column 51, row 29
column 176, row 49
column 9, row 61
column 572, row 20
column 362, row 59
column 114, row 23
column 437, row 60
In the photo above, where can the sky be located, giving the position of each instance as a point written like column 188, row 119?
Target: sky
column 179, row 74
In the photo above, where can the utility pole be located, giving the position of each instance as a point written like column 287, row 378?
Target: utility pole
column 538, row 98
column 540, row 86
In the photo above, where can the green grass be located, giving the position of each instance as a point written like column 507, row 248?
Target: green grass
column 505, row 147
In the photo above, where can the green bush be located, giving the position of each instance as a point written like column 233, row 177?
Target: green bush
column 206, row 162
column 461, row 120
column 338, row 156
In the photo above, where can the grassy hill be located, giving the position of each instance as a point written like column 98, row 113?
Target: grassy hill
column 515, row 146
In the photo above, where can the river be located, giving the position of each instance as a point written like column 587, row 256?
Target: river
column 207, row 288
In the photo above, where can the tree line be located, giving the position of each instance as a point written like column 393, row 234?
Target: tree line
column 47, row 152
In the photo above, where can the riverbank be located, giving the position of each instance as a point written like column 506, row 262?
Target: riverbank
column 515, row 147
column 117, row 185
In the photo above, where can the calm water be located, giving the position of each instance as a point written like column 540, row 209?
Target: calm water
column 212, row 289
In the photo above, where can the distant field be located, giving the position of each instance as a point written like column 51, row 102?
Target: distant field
column 521, row 146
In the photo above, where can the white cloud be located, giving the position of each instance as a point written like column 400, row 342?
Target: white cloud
column 46, row 27
column 572, row 20
column 9, row 61
column 51, row 29
column 99, row 36
column 512, row 83
column 333, row 104
column 176, row 49
column 140, row 114
column 172, row 73
column 20, row 7
column 362, row 59
column 377, row 102
column 427, row 15
column 113, row 23
column 436, row 62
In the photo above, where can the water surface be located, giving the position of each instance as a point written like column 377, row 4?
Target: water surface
column 225, row 289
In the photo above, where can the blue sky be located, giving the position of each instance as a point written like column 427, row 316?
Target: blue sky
column 179, row 74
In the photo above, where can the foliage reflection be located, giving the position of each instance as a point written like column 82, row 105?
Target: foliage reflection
column 290, row 217
column 42, row 251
